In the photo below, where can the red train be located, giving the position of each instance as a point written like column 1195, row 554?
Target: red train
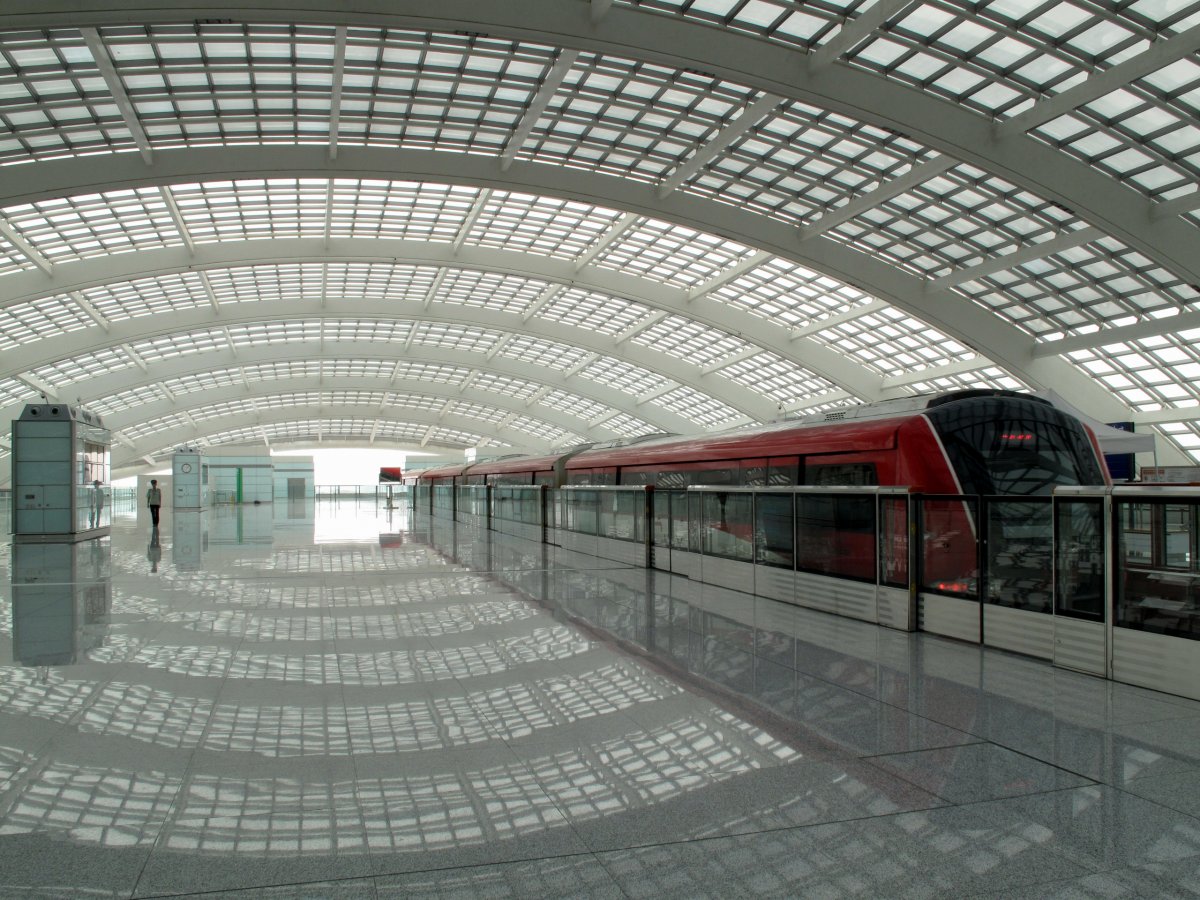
column 985, row 442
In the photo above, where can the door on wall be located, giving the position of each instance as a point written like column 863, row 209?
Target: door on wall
column 295, row 488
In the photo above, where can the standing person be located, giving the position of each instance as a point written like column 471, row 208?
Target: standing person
column 97, row 503
column 154, row 501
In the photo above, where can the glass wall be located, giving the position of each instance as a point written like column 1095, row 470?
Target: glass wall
column 893, row 541
column 1079, row 560
column 1018, row 555
column 835, row 535
column 949, row 549
column 774, row 530
column 1158, row 588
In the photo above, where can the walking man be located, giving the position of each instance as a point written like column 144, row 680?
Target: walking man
column 154, row 501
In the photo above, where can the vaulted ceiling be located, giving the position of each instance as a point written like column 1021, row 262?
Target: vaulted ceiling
column 517, row 225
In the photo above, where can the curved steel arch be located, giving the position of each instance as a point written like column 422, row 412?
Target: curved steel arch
column 126, row 454
column 996, row 340
column 79, row 343
column 193, row 364
column 200, row 401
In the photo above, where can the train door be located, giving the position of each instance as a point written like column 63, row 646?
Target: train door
column 1082, row 619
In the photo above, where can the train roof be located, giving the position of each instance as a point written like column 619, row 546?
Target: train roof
column 871, row 426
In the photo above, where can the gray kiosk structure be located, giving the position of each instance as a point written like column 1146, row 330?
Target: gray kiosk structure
column 60, row 474
column 189, row 477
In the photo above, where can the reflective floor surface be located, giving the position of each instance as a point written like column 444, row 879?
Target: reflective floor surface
column 328, row 700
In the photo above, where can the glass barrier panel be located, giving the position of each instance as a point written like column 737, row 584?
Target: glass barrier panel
column 1019, row 570
column 629, row 515
column 607, row 522
column 774, row 530
column 949, row 548
column 835, row 535
column 1079, row 559
column 1158, row 586
column 582, row 511
column 893, row 541
column 728, row 525
column 679, row 519
column 660, row 518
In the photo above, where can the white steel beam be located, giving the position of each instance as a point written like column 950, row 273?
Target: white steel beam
column 31, row 381
column 537, row 106
column 1158, row 55
column 434, row 288
column 539, row 303
column 335, row 95
column 638, row 327
column 739, row 125
column 92, row 313
column 25, row 248
column 883, row 192
column 472, row 217
column 749, row 264
column 209, row 292
column 116, row 87
column 854, row 31
column 1019, row 257
column 602, row 243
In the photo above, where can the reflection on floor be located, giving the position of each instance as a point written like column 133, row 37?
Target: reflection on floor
column 333, row 700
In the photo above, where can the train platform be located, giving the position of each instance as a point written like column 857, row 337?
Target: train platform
column 336, row 700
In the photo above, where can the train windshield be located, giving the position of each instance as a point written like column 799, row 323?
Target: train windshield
column 1014, row 446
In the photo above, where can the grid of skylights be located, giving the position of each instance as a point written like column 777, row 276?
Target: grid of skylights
column 954, row 231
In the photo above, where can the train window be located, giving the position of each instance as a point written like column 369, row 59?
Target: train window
column 832, row 474
column 774, row 541
column 543, row 478
column 995, row 449
column 783, row 472
column 835, row 535
column 637, row 477
column 671, row 481
column 714, row 477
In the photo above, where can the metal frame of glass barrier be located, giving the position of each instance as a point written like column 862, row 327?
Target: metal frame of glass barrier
column 518, row 510
column 608, row 521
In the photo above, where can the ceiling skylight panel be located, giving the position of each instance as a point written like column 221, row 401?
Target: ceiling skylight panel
column 787, row 293
column 207, row 381
column 253, row 209
column 544, row 431
column 629, row 426
column 428, row 372
column 986, row 377
column 801, row 159
column 401, row 432
column 368, row 330
column 267, row 282
column 634, row 119
column 137, row 430
column 147, row 296
column 690, row 340
column 228, row 408
column 465, row 338
column 502, row 384
column 456, row 437
column 399, row 403
column 543, row 353
column 97, row 362
column 671, row 254
column 1160, row 373
column 180, row 344
column 26, row 323
column 13, row 391
column 623, row 376
column 399, row 209
column 574, row 405
column 260, row 333
column 547, row 226
column 54, row 100
column 890, row 342
column 470, row 410
column 699, row 408
column 777, row 378
column 377, row 281
column 90, row 225
column 489, row 290
column 600, row 313
column 12, row 260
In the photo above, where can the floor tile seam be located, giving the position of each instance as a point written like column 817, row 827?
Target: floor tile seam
column 1044, row 762
column 1160, row 805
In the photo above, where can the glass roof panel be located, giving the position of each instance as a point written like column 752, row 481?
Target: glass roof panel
column 789, row 294
column 673, row 254
column 782, row 380
column 600, row 313
column 544, row 225
column 1101, row 284
column 634, row 119
column 1151, row 374
column 696, row 407
column 89, row 225
column 26, row 323
column 13, row 391
column 890, row 342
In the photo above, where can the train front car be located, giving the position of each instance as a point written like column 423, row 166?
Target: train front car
column 1011, row 448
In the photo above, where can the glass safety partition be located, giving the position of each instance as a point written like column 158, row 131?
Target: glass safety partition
column 949, row 571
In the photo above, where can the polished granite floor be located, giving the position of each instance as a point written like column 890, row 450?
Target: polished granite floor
column 328, row 700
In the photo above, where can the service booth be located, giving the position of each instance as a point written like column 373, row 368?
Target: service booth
column 60, row 474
